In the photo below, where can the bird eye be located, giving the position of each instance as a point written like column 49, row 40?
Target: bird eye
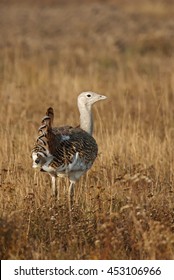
column 88, row 95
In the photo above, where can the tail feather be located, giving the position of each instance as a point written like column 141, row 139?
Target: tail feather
column 41, row 149
column 47, row 120
column 49, row 116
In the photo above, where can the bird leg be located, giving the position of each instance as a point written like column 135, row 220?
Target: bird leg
column 71, row 193
column 54, row 187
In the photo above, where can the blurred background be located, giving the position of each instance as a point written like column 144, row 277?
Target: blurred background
column 50, row 51
column 64, row 47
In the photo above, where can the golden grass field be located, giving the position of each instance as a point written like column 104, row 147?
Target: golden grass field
column 50, row 51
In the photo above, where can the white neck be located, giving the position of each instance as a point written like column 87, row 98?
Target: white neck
column 86, row 119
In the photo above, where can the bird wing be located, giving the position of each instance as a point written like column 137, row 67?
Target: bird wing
column 71, row 146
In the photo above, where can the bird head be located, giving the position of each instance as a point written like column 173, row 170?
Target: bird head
column 88, row 98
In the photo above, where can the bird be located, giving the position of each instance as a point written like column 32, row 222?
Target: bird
column 67, row 151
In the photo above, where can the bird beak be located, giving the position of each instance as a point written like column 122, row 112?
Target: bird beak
column 103, row 97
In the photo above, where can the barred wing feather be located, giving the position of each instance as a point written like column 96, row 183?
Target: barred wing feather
column 70, row 145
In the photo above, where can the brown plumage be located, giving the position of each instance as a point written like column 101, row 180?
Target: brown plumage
column 64, row 149
column 63, row 143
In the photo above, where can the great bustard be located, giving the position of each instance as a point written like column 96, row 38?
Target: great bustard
column 67, row 151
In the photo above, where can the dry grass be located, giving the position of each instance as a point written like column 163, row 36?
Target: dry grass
column 48, row 54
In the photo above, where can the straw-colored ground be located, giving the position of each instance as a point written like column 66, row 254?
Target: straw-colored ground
column 51, row 52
